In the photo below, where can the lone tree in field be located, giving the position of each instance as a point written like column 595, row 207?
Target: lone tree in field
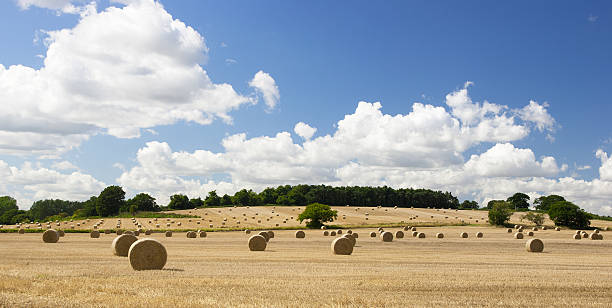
column 565, row 213
column 317, row 214
column 109, row 202
column 519, row 201
column 543, row 203
column 500, row 213
column 536, row 218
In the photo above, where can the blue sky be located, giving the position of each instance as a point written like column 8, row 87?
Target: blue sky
column 322, row 58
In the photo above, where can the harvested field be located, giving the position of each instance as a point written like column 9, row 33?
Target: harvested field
column 429, row 272
column 269, row 217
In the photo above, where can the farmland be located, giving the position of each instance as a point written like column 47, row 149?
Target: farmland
column 219, row 270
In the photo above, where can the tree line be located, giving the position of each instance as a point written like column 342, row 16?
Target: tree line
column 111, row 201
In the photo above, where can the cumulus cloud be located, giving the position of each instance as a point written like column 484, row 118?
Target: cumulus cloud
column 30, row 183
column 64, row 165
column 504, row 160
column 423, row 148
column 116, row 72
column 266, row 86
column 538, row 114
column 304, row 130
column 605, row 171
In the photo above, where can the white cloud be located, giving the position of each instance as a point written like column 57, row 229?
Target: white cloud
column 585, row 167
column 265, row 84
column 538, row 115
column 230, row 61
column 116, row 72
column 504, row 160
column 30, row 183
column 304, row 130
column 64, row 165
column 61, row 6
column 592, row 18
column 423, row 148
column 605, row 171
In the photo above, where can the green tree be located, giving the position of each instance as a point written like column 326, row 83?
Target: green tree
column 178, row 202
column 269, row 195
column 142, row 202
column 226, row 200
column 212, row 199
column 110, row 201
column 8, row 209
column 89, row 208
column 536, row 218
column 543, row 203
column 466, row 204
column 565, row 213
column 500, row 213
column 196, row 203
column 492, row 203
column 519, row 201
column 317, row 214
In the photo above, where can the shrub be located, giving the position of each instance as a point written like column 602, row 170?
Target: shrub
column 536, row 218
column 317, row 214
column 565, row 213
column 500, row 213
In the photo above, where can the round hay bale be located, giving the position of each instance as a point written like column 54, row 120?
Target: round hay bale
column 509, row 230
column 349, row 231
column 147, row 254
column 168, row 233
column 258, row 242
column 399, row 234
column 247, row 231
column 342, row 246
column 544, row 228
column 413, row 229
column 202, row 233
column 464, row 235
column 325, row 233
column 406, row 228
column 415, row 233
column 355, row 235
column 136, row 233
column 121, row 244
column 518, row 235
column 50, row 236
column 265, row 235
column 534, row 245
column 530, row 233
column 119, row 231
column 351, row 238
column 421, row 235
column 94, row 234
column 107, row 231
column 21, row 231
column 534, row 229
column 270, row 234
column 300, row 234
column 323, row 227
column 380, row 229
column 596, row 236
column 440, row 235
column 479, row 234
column 585, row 235
column 130, row 233
column 607, row 229
column 386, row 236
column 578, row 232
column 596, row 231
column 61, row 233
column 191, row 234
column 577, row 236
column 519, row 230
column 339, row 232
column 372, row 234
column 148, row 232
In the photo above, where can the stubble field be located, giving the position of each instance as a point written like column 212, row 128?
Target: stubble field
column 219, row 270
